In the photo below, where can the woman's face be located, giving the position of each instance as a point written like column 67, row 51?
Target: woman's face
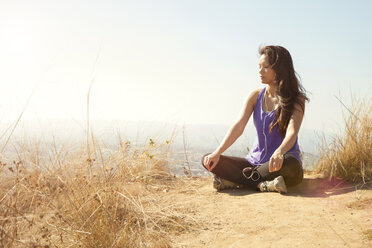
column 266, row 73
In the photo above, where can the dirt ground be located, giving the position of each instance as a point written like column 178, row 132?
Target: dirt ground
column 317, row 213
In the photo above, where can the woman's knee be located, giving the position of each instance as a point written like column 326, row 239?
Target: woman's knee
column 297, row 179
column 291, row 163
column 292, row 170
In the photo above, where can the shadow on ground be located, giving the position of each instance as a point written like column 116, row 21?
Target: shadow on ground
column 311, row 187
column 322, row 187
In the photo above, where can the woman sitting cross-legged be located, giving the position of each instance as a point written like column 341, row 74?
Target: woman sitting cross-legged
column 274, row 163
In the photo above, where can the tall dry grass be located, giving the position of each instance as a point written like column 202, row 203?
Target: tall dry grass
column 54, row 197
column 349, row 155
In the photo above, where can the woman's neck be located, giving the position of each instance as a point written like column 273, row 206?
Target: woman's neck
column 271, row 90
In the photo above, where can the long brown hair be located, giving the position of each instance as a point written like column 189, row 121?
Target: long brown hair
column 288, row 87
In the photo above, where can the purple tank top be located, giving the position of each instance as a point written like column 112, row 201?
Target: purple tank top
column 266, row 142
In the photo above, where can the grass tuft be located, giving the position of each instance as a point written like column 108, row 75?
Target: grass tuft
column 349, row 155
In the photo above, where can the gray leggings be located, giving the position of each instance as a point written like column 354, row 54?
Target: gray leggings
column 231, row 168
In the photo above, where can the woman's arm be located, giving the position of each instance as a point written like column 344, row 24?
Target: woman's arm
column 234, row 132
column 289, row 140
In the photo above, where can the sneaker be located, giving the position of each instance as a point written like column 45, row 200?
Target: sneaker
column 221, row 184
column 277, row 184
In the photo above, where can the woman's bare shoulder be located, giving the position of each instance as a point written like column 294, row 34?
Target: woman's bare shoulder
column 257, row 91
column 252, row 97
column 254, row 94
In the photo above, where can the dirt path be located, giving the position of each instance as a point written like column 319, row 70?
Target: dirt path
column 317, row 213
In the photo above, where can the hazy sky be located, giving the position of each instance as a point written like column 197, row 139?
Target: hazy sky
column 190, row 62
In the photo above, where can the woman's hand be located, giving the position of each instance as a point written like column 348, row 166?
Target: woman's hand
column 211, row 161
column 276, row 161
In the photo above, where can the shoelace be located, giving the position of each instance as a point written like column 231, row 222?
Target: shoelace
column 263, row 186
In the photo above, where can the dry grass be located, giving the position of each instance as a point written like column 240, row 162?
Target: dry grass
column 368, row 234
column 360, row 203
column 350, row 154
column 52, row 197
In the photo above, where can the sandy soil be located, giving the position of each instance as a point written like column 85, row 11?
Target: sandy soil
column 317, row 213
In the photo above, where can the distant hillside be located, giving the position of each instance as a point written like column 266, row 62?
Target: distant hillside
column 198, row 140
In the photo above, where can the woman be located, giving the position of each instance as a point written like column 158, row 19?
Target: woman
column 278, row 109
